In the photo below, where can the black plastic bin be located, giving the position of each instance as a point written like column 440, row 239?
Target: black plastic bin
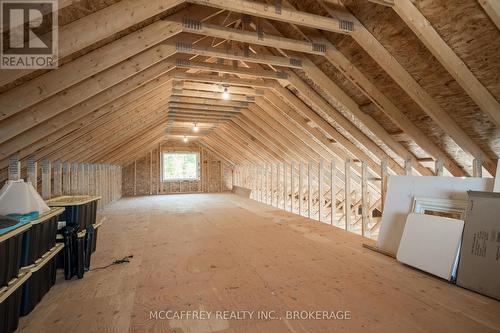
column 94, row 239
column 80, row 211
column 41, row 237
column 89, row 242
column 90, row 213
column 10, row 303
column 72, row 259
column 43, row 277
column 11, row 251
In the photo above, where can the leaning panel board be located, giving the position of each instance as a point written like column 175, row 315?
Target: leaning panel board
column 431, row 243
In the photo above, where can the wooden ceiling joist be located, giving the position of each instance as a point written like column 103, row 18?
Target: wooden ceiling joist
column 232, row 81
column 345, row 123
column 274, row 12
column 206, row 107
column 218, row 88
column 334, row 56
column 232, row 55
column 216, row 31
column 227, row 69
column 207, row 101
column 321, row 79
column 208, row 95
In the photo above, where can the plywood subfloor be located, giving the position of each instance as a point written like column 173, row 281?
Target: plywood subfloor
column 223, row 252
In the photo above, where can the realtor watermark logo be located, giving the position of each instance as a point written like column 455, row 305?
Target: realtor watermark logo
column 29, row 34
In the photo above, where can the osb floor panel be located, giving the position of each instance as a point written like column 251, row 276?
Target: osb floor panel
column 222, row 252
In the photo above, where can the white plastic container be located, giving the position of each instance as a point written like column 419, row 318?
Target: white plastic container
column 19, row 197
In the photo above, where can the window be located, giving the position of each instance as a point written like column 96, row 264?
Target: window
column 180, row 166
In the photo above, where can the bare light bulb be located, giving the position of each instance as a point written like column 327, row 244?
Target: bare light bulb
column 195, row 128
column 185, row 139
column 225, row 94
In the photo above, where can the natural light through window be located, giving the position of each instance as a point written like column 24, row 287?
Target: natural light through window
column 180, row 166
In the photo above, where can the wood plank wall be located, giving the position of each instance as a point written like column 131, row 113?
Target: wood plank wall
column 142, row 176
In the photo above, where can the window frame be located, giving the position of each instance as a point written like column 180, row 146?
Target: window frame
column 196, row 153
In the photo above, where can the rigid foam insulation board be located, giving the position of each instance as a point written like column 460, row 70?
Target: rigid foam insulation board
column 479, row 264
column 431, row 243
column 399, row 201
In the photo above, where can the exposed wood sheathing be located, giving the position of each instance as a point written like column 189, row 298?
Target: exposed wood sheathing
column 469, row 34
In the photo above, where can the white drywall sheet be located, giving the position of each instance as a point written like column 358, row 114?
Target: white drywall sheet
column 399, row 199
column 431, row 243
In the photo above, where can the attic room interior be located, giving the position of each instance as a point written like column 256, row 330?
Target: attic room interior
column 249, row 166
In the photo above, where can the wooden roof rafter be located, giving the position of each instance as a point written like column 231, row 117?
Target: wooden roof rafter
column 447, row 57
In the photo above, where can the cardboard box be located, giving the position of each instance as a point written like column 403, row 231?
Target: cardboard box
column 479, row 264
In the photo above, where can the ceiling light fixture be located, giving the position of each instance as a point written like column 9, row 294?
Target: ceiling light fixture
column 225, row 94
column 185, row 139
column 195, row 128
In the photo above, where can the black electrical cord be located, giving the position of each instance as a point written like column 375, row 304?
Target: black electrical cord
column 116, row 262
